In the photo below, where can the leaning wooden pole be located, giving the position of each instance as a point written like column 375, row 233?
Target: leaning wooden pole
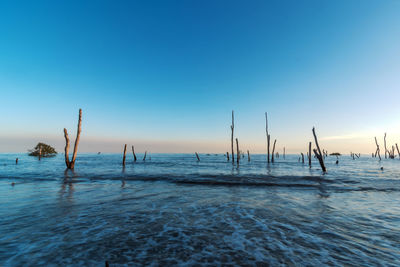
column 237, row 152
column 273, row 151
column 124, row 157
column 71, row 164
column 268, row 136
column 134, row 155
column 398, row 151
column 309, row 154
column 197, row 156
column 232, row 128
column 318, row 154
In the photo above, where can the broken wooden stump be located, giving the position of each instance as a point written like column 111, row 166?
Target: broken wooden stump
column 273, row 150
column 302, row 158
column 377, row 149
column 16, row 161
column 398, row 152
column 227, row 156
column 248, row 155
column 145, row 154
column 317, row 152
column 232, row 129
column 134, row 155
column 124, row 157
column 71, row 164
column 309, row 154
column 237, row 152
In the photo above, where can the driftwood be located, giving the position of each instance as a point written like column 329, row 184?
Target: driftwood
column 197, row 156
column 71, row 164
column 377, row 149
column 268, row 136
column 238, row 153
column 124, row 157
column 309, row 154
column 232, row 128
column 248, row 155
column 134, row 155
column 273, row 150
column 384, row 143
column 302, row 158
column 318, row 153
column 145, row 154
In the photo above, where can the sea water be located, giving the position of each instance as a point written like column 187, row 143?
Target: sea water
column 173, row 210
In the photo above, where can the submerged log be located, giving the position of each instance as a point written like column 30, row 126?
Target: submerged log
column 237, row 151
column 232, row 129
column 71, row 164
column 124, row 157
column 197, row 156
column 273, row 150
column 317, row 152
column 134, row 155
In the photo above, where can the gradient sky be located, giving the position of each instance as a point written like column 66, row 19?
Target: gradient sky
column 165, row 75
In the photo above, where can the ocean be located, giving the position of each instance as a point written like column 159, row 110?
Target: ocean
column 172, row 210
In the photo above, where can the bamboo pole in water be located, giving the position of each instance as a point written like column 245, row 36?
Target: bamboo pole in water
column 71, row 164
column 318, row 153
column 197, row 156
column 237, row 152
column 232, row 128
column 273, row 150
column 134, row 155
column 309, row 154
column 124, row 157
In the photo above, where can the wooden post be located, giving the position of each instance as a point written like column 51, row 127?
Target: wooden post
column 232, row 128
column 248, row 155
column 40, row 152
column 284, row 152
column 237, row 152
column 197, row 156
column 398, row 152
column 227, row 156
column 302, row 158
column 145, row 153
column 134, row 155
column 377, row 149
column 318, row 153
column 268, row 136
column 123, row 159
column 273, row 151
column 384, row 140
column 71, row 164
column 309, row 154
column 16, row 161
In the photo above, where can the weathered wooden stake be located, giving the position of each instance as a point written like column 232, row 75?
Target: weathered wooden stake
column 232, row 128
column 237, row 152
column 71, row 164
column 377, row 149
column 309, row 154
column 268, row 136
column 284, row 152
column 302, row 158
column 318, row 153
column 398, row 152
column 123, row 159
column 197, row 156
column 16, row 161
column 227, row 156
column 145, row 153
column 273, row 151
column 248, row 155
column 134, row 155
column 384, row 143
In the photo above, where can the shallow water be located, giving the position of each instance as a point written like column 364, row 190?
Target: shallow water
column 173, row 210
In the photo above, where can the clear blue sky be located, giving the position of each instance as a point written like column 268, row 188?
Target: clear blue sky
column 165, row 75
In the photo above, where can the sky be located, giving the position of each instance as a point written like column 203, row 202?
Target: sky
column 165, row 75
